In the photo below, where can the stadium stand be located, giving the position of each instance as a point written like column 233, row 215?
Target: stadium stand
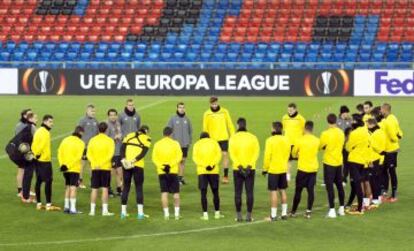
column 219, row 33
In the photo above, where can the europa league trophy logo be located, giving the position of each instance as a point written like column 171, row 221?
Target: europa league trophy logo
column 326, row 78
column 43, row 81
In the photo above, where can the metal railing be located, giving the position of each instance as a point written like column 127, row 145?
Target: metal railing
column 207, row 65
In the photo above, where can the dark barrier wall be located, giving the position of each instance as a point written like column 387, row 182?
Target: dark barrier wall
column 186, row 82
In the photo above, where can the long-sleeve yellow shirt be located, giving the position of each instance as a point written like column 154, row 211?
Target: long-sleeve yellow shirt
column 41, row 145
column 293, row 127
column 244, row 149
column 332, row 142
column 218, row 124
column 70, row 153
column 167, row 151
column 277, row 153
column 207, row 152
column 357, row 146
column 377, row 141
column 135, row 143
column 393, row 132
column 101, row 149
column 306, row 150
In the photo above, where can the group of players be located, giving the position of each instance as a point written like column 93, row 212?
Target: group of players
column 363, row 145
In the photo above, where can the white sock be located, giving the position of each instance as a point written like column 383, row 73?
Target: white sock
column 273, row 212
column 73, row 205
column 205, row 214
column 217, row 212
column 176, row 211
column 366, row 202
column 67, row 203
column 48, row 205
column 124, row 209
column 284, row 209
column 376, row 202
column 104, row 208
column 140, row 209
column 166, row 212
column 93, row 206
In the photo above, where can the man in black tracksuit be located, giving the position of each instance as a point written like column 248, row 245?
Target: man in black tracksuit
column 20, row 153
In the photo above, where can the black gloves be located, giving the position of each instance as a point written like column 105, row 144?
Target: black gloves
column 245, row 172
column 166, row 169
column 241, row 171
column 210, row 168
column 264, row 173
column 63, row 168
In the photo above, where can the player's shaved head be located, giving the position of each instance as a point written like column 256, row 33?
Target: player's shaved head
column 386, row 106
column 385, row 109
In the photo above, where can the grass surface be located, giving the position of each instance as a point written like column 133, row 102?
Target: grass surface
column 24, row 228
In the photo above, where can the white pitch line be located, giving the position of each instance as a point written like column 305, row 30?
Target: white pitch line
column 67, row 133
column 136, row 236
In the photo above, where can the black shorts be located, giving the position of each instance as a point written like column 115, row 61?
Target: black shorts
column 185, row 151
column 44, row 171
column 16, row 157
column 304, row 179
column 390, row 160
column 116, row 162
column 377, row 168
column 100, row 178
column 12, row 152
column 224, row 145
column 19, row 163
column 208, row 179
column 291, row 151
column 71, row 179
column 367, row 173
column 169, row 183
column 276, row 181
column 332, row 174
column 356, row 172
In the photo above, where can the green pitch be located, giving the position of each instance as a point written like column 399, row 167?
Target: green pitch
column 24, row 228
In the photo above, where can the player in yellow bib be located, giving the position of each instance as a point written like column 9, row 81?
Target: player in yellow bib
column 293, row 128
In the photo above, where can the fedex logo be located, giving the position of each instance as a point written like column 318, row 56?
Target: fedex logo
column 393, row 85
column 384, row 83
